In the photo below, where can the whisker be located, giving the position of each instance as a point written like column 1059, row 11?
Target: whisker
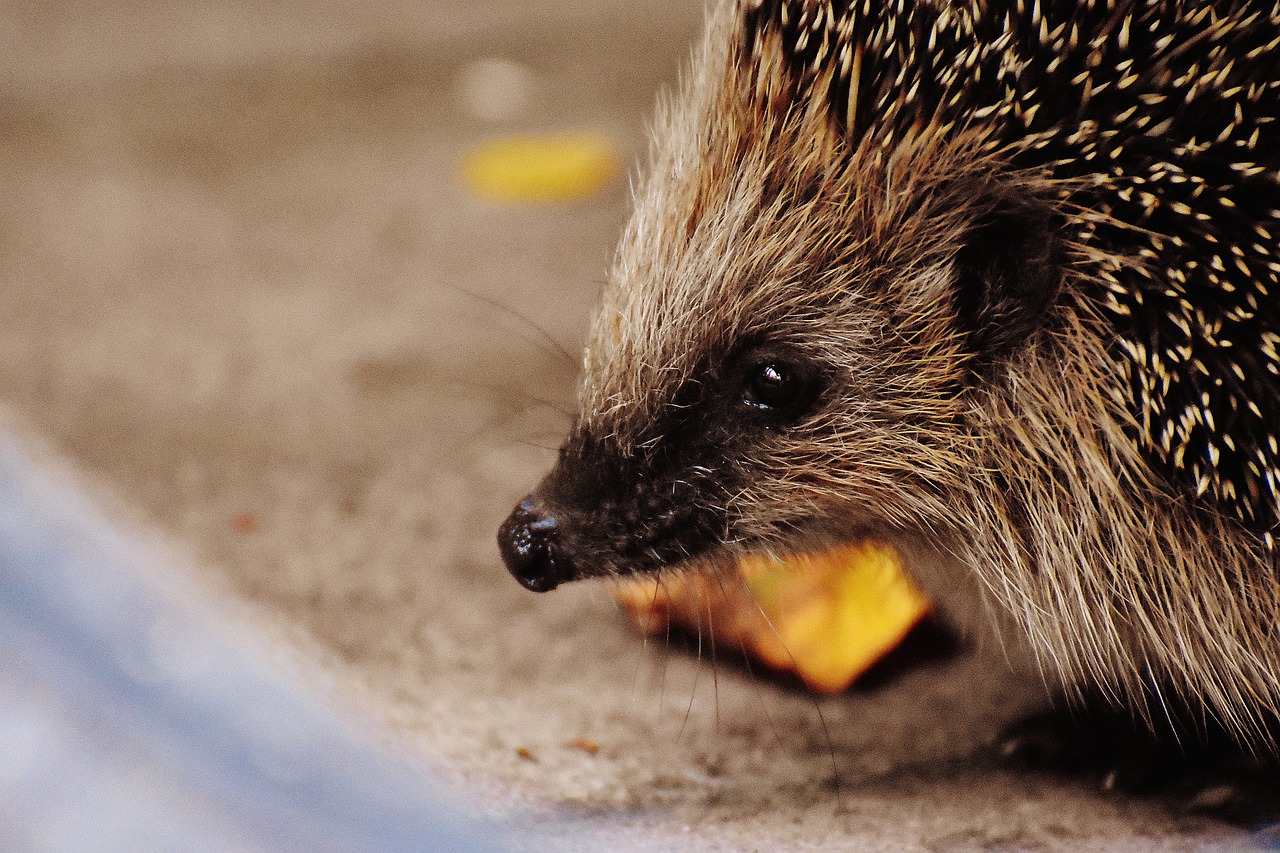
column 534, row 444
column 645, row 631
column 501, row 393
column 715, row 670
column 697, row 674
column 499, row 423
column 822, row 719
column 751, row 674
column 666, row 659
column 556, row 348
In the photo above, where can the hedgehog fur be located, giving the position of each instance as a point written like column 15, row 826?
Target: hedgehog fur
column 993, row 275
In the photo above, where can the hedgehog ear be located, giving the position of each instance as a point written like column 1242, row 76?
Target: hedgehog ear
column 1008, row 273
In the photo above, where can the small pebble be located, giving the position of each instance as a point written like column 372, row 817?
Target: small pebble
column 588, row 746
column 245, row 522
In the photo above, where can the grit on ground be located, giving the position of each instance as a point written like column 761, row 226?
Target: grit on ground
column 246, row 295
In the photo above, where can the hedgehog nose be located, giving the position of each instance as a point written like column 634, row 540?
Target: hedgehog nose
column 530, row 546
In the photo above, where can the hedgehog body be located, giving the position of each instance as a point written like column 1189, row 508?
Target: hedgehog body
column 999, row 276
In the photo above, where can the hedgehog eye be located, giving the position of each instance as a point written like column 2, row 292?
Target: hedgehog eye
column 774, row 384
column 770, row 386
column 780, row 388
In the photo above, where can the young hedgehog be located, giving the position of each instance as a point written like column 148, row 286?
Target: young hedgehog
column 992, row 279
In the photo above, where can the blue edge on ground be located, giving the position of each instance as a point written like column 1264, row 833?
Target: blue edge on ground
column 130, row 720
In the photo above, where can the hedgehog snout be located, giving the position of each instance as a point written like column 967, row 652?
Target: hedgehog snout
column 531, row 542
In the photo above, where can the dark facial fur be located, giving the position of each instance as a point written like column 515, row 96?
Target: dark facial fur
column 994, row 275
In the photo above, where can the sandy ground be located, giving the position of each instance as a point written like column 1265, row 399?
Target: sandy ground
column 246, row 296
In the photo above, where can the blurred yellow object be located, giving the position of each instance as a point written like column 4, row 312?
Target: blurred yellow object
column 827, row 616
column 558, row 167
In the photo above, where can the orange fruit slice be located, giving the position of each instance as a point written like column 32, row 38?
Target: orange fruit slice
column 826, row 616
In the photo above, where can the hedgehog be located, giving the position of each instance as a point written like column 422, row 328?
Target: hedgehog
column 989, row 279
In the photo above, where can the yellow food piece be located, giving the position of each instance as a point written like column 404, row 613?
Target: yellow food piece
column 558, row 167
column 826, row 616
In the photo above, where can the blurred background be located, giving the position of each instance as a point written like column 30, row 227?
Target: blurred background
column 273, row 371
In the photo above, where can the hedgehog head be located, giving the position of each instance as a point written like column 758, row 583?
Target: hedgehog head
column 795, row 321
